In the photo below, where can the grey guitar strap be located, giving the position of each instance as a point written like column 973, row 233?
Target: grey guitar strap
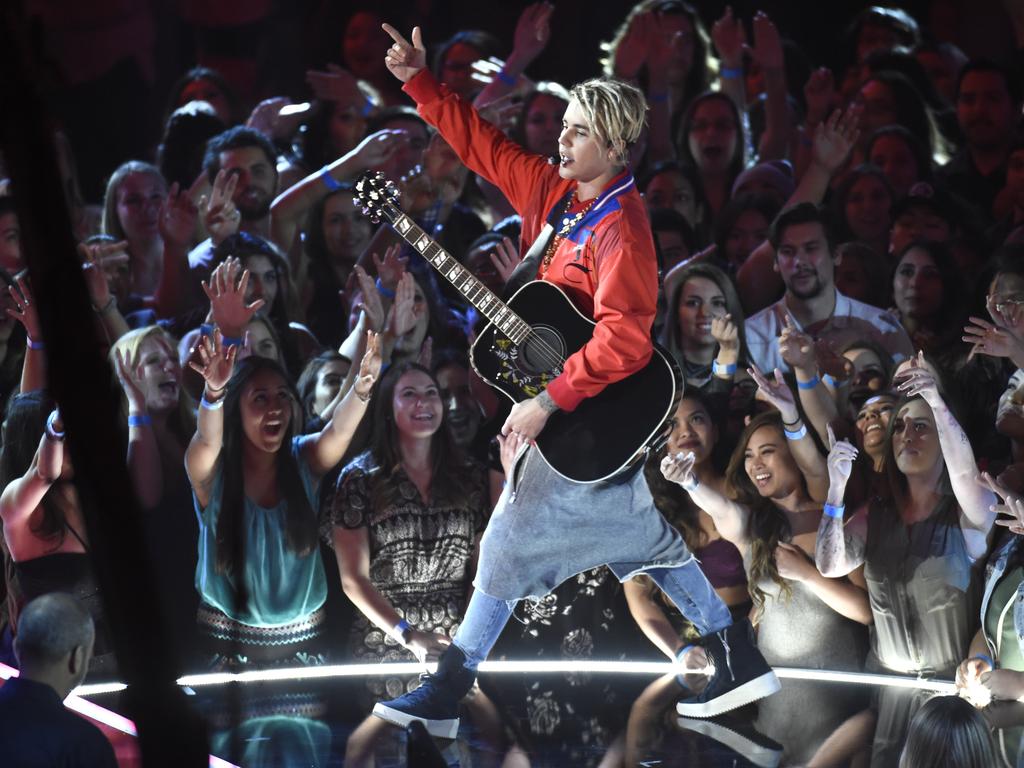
column 527, row 269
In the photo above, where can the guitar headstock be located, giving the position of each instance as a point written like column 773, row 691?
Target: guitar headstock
column 373, row 192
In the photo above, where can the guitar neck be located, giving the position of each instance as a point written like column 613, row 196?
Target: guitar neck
column 476, row 293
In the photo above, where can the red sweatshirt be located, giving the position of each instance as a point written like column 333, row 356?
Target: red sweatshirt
column 606, row 264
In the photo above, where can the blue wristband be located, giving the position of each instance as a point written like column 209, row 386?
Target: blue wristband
column 399, row 630
column 38, row 346
column 808, row 384
column 204, row 403
column 207, row 329
column 831, row 381
column 329, row 181
column 833, row 511
column 722, row 370
column 797, row 434
column 141, row 420
column 682, row 651
column 506, row 78
column 231, row 341
column 986, row 659
column 731, row 74
column 387, row 293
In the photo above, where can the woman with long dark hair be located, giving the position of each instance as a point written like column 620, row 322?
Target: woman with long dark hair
column 721, row 562
column 407, row 518
column 920, row 543
column 44, row 531
column 255, row 484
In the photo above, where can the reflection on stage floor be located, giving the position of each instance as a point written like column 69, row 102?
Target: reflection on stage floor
column 575, row 718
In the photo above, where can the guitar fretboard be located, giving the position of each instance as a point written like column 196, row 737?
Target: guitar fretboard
column 476, row 293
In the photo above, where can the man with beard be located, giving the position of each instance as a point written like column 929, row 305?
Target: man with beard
column 241, row 165
column 987, row 105
column 803, row 258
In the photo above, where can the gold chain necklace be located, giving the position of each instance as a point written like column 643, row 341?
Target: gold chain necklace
column 568, row 222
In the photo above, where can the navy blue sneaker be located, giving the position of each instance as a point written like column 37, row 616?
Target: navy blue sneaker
column 436, row 702
column 741, row 676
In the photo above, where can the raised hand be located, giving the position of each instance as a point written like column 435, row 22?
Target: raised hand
column 730, row 39
column 336, row 84
column 767, row 49
column 216, row 361
column 220, row 216
column 24, row 310
column 404, row 59
column 268, row 120
column 1012, row 507
column 369, row 367
column 841, row 456
column 178, row 215
column 505, row 258
column 98, row 262
column 819, row 92
column 835, row 137
column 427, row 646
column 679, row 468
column 370, row 303
column 633, row 49
column 405, row 311
column 533, row 30
column 795, row 346
column 226, row 292
column 129, row 374
column 990, row 339
column 377, row 148
column 915, row 377
column 391, row 268
column 775, row 392
column 727, row 334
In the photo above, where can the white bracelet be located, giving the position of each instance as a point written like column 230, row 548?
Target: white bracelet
column 204, row 403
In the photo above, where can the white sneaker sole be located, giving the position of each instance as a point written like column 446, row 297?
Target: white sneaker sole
column 750, row 691
column 444, row 729
column 758, row 754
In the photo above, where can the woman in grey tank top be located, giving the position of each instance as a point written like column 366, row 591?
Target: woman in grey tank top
column 919, row 545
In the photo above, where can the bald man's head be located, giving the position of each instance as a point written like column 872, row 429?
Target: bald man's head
column 50, row 627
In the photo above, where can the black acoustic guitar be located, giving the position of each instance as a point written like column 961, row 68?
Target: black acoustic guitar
column 524, row 347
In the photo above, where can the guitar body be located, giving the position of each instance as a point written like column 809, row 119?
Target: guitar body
column 606, row 433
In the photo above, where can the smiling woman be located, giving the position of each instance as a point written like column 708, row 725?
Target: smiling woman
column 407, row 517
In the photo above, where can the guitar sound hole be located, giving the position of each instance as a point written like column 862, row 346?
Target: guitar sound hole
column 542, row 352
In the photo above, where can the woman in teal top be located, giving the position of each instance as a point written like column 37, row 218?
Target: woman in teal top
column 255, row 487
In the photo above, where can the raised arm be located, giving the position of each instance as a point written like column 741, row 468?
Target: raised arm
column 33, row 367
column 840, row 545
column 768, row 53
column 798, row 350
column 215, row 365
column 97, row 261
column 975, row 500
column 22, row 495
column 143, row 452
column 178, row 218
column 533, row 30
column 731, row 519
column 327, row 449
column 289, row 208
column 805, row 451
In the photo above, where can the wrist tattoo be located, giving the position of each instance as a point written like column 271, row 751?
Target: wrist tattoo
column 544, row 401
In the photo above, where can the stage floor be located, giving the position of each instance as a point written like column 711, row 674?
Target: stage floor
column 541, row 717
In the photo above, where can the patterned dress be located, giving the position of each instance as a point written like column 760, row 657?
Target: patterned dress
column 420, row 557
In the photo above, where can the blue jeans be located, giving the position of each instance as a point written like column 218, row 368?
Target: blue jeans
column 686, row 586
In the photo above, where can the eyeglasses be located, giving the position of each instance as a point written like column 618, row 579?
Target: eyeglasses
column 1003, row 304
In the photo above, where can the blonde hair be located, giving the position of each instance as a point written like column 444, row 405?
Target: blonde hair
column 183, row 422
column 615, row 110
column 111, row 224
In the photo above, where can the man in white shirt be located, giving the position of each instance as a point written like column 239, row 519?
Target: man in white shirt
column 805, row 261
